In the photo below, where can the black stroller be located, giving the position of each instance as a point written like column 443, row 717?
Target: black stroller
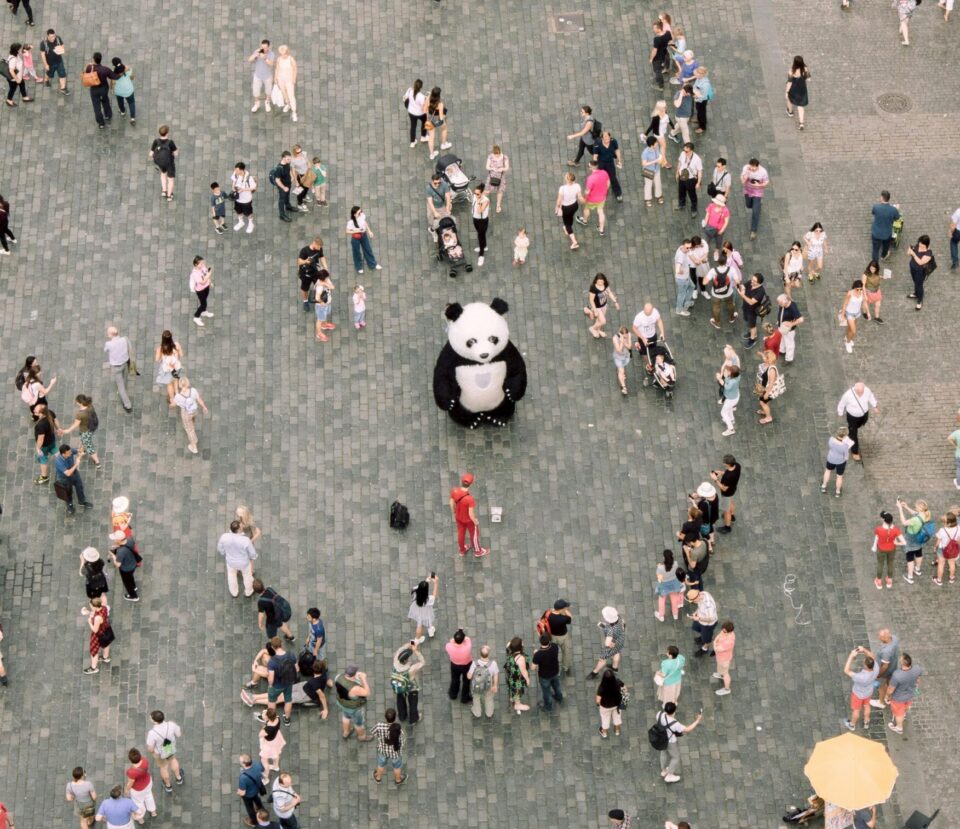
column 449, row 246
column 448, row 166
column 660, row 369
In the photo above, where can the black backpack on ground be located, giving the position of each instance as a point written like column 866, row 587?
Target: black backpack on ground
column 399, row 516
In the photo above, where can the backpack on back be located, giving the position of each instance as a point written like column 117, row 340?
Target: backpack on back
column 659, row 734
column 926, row 532
column 305, row 663
column 28, row 394
column 543, row 625
column 764, row 306
column 287, row 674
column 597, row 129
column 282, row 608
column 274, row 175
column 93, row 422
column 400, row 682
column 951, row 549
column 399, row 516
column 482, row 679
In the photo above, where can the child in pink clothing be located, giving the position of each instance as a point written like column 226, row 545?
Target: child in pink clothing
column 723, row 644
column 359, row 307
column 26, row 55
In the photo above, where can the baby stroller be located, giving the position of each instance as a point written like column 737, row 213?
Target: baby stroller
column 449, row 247
column 660, row 368
column 448, row 166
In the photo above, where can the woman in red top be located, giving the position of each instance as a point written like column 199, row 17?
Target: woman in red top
column 772, row 341
column 140, row 783
column 98, row 619
column 886, row 538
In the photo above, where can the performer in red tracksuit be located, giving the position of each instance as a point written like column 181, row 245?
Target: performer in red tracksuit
column 463, row 507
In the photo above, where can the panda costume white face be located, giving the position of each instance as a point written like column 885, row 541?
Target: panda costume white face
column 479, row 334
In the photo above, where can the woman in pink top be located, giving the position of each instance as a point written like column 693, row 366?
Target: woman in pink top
column 460, row 651
column 723, row 647
column 201, row 278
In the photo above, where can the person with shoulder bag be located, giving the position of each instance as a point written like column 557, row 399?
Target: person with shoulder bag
column 81, row 793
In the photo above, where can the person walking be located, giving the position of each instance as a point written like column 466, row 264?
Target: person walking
column 123, row 89
column 881, row 231
column 239, row 554
column 905, row 10
column 669, row 678
column 201, row 280
column 796, row 91
column 285, row 77
column 850, row 312
column 755, row 181
column 609, row 158
column 683, row 104
column 52, row 51
column 669, row 584
column 720, row 281
column 862, row 690
column 613, row 630
column 436, row 112
column 167, row 355
column 595, row 190
column 119, row 812
column 162, row 743
column 281, row 675
column 139, row 784
column 460, row 651
column 652, row 160
column 922, row 264
column 190, row 402
column 838, row 450
column 715, row 220
column 415, row 101
column 704, row 619
column 163, row 154
column 814, row 246
column 360, row 233
column 730, row 388
column 119, row 357
column 918, row 529
column 953, row 237
column 484, row 676
column 622, row 347
column 855, row 405
column 902, row 691
column 271, row 742
column 546, row 662
column 5, row 232
column 770, row 385
column 273, row 611
column 948, row 548
column 421, row 606
column 586, row 135
column 250, row 787
column 670, row 756
column 101, row 633
column 658, row 127
column 123, row 553
column 97, row 77
column 723, row 645
column 569, row 197
column 498, row 165
column 788, row 319
column 390, row 744
column 83, row 795
column 303, row 177
column 518, row 677
column 689, row 174
column 67, row 477
column 888, row 657
column 352, row 691
column 727, row 480
column 463, row 506
column 886, row 538
column 480, row 211
column 316, row 643
column 659, row 53
column 408, row 664
column 244, row 186
column 285, row 802
column 873, row 295
column 91, row 568
column 609, row 700
column 598, row 294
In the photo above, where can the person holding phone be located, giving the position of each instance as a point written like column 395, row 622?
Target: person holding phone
column 262, row 60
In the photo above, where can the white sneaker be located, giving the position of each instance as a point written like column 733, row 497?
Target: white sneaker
column 192, row 449
column 424, row 139
column 286, row 107
column 696, row 294
column 198, row 321
column 875, row 703
column 294, row 118
column 256, row 106
column 413, row 144
column 715, row 676
column 446, row 146
column 378, row 268
column 480, row 262
column 431, row 631
column 671, row 778
column 420, row 640
column 722, row 692
column 250, row 228
column 266, row 105
column 683, row 313
column 238, row 225
column 434, row 154
column 956, row 484
column 728, row 432
column 476, row 250
column 207, row 314
column 849, row 346
column 4, row 252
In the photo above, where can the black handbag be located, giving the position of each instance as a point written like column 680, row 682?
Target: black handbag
column 106, row 637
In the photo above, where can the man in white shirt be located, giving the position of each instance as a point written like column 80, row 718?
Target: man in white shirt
column 955, row 240
column 118, row 355
column 646, row 326
column 162, row 743
column 856, row 404
column 670, row 756
column 689, row 173
column 285, row 801
column 244, row 186
column 239, row 554
column 681, row 273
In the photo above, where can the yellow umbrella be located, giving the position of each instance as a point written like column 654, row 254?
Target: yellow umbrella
column 851, row 771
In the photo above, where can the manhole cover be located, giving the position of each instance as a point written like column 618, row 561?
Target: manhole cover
column 894, row 102
column 566, row 23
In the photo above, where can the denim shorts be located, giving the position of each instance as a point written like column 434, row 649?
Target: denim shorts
column 322, row 312
column 57, row 69
column 383, row 760
column 274, row 693
column 354, row 715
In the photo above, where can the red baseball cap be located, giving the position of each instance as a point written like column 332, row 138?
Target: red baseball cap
column 467, row 479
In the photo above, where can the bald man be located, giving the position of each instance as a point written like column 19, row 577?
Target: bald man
column 118, row 355
column 856, row 403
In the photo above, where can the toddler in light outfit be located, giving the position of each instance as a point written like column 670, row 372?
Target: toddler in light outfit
column 520, row 246
column 359, row 307
column 29, row 71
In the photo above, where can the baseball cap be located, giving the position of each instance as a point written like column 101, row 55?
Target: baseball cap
column 467, row 479
column 560, row 604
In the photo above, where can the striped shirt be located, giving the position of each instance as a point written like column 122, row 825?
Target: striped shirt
column 706, row 609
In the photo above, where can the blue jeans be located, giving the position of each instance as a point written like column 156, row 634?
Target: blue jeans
column 684, row 294
column 362, row 250
column 955, row 248
column 754, row 203
column 131, row 101
column 550, row 688
column 879, row 248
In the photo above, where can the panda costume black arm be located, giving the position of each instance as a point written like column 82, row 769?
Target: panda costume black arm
column 446, row 390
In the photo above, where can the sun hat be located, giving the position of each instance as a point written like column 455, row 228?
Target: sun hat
column 91, row 554
column 610, row 615
column 121, row 503
column 706, row 490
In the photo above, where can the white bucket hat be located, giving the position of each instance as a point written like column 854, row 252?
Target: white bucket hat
column 121, row 503
column 91, row 554
column 706, row 490
column 610, row 615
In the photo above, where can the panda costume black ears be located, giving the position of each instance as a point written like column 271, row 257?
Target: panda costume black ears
column 455, row 309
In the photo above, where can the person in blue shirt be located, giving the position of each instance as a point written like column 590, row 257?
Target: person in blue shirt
column 317, row 640
column 248, row 788
column 67, row 467
column 117, row 811
column 881, row 231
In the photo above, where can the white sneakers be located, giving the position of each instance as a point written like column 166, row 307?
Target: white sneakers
column 434, row 154
column 250, row 226
column 198, row 321
column 847, row 344
column 728, row 432
column 722, row 692
column 446, row 146
column 238, row 225
column 256, row 106
column 266, row 105
column 431, row 631
column 294, row 118
column 207, row 314
column 413, row 144
column 671, row 778
column 480, row 262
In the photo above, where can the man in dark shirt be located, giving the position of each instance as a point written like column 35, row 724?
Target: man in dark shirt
column 546, row 661
column 788, row 318
column 881, row 231
column 727, row 480
column 126, row 561
column 281, row 178
column 67, row 469
column 51, row 53
column 309, row 261
column 315, row 687
column 269, row 611
column 558, row 620
column 45, row 439
column 659, row 54
column 606, row 153
column 100, row 94
column 752, row 294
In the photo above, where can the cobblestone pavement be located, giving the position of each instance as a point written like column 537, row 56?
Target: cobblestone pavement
column 319, row 440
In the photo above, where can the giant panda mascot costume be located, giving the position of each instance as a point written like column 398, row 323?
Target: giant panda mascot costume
column 480, row 374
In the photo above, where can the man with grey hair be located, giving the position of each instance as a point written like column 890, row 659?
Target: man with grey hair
column 856, row 403
column 118, row 355
column 788, row 318
column 484, row 678
column 239, row 554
